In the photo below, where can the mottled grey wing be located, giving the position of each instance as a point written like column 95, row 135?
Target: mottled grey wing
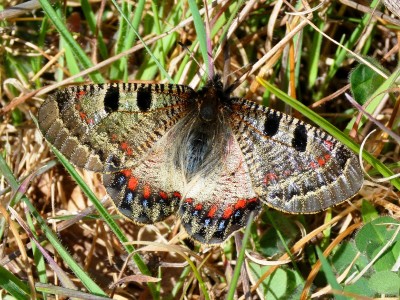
column 294, row 167
column 110, row 127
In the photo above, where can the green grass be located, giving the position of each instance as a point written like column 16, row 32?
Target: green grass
column 140, row 40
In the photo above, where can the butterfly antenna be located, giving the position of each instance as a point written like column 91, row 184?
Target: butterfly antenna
column 239, row 80
column 191, row 55
column 208, row 41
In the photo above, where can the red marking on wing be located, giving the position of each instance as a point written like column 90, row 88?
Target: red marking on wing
column 328, row 145
column 129, row 151
column 212, row 211
column 132, row 183
column 146, row 191
column 198, row 207
column 255, row 199
column 80, row 94
column 125, row 146
column 127, row 173
column 189, row 200
column 227, row 213
column 163, row 195
column 178, row 195
column 270, row 177
column 321, row 161
column 82, row 115
column 240, row 204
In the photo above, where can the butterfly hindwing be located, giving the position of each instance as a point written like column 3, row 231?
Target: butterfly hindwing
column 294, row 166
column 217, row 205
column 109, row 127
column 151, row 191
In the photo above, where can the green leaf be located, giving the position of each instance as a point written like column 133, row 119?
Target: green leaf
column 375, row 99
column 368, row 212
column 281, row 284
column 315, row 55
column 200, row 31
column 130, row 19
column 360, row 287
column 240, row 260
column 17, row 117
column 350, row 41
column 375, row 234
column 67, row 36
column 385, row 282
column 270, row 243
column 91, row 20
column 343, row 256
column 328, row 272
column 364, row 81
column 133, row 29
column 388, row 259
column 13, row 285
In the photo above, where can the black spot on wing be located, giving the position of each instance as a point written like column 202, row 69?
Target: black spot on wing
column 299, row 141
column 125, row 206
column 113, row 163
column 292, row 190
column 63, row 99
column 111, row 99
column 342, row 155
column 271, row 124
column 119, row 182
column 144, row 98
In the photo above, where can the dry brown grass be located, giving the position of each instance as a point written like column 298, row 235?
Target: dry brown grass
column 261, row 26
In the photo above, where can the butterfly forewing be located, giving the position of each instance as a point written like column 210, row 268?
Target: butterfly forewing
column 294, row 167
column 109, row 127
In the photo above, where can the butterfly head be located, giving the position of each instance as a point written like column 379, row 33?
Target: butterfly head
column 211, row 99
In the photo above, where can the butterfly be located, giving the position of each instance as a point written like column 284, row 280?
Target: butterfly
column 207, row 157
